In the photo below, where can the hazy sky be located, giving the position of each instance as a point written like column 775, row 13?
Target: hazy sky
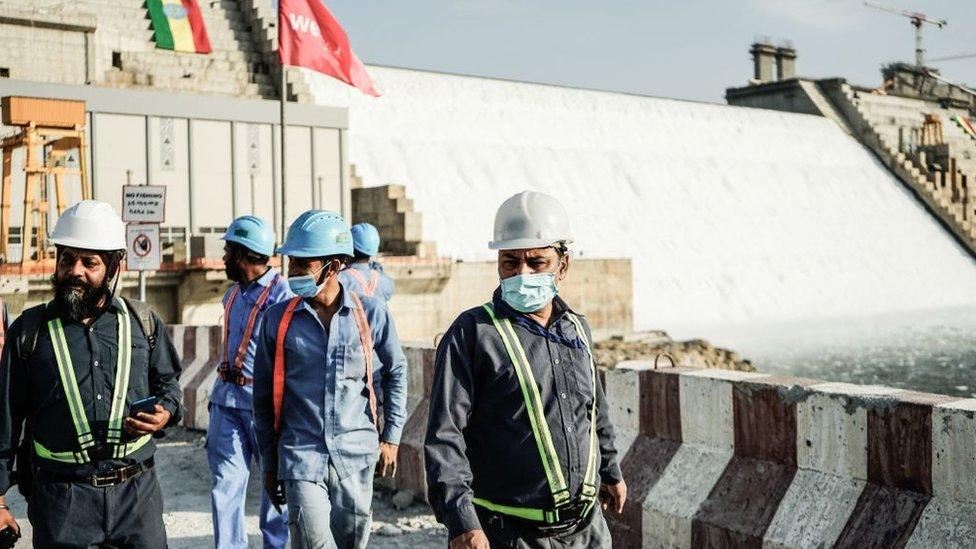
column 680, row 48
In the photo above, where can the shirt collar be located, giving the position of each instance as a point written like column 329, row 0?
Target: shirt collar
column 264, row 280
column 345, row 296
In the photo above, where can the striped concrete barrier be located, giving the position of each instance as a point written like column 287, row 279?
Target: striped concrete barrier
column 736, row 459
column 410, row 457
column 199, row 350
column 721, row 458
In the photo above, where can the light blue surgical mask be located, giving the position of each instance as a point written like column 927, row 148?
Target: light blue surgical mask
column 529, row 293
column 304, row 286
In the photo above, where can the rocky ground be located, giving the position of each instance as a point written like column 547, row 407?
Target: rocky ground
column 185, row 480
column 649, row 345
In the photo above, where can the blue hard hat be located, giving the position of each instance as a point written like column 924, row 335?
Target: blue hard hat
column 365, row 239
column 253, row 233
column 318, row 233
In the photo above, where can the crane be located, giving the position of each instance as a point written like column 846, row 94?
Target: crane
column 954, row 57
column 917, row 20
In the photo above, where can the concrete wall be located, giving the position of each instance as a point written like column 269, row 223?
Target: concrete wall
column 735, row 459
column 430, row 294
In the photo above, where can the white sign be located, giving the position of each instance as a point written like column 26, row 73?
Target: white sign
column 143, row 251
column 144, row 203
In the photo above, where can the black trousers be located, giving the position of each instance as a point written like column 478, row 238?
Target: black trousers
column 75, row 515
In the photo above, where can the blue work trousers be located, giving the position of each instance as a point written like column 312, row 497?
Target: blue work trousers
column 333, row 513
column 231, row 445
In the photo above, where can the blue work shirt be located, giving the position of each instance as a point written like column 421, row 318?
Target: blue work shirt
column 230, row 394
column 325, row 411
column 384, row 284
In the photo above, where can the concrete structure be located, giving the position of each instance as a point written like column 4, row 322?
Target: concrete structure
column 735, row 459
column 722, row 458
column 110, row 43
column 785, row 62
column 763, row 61
column 942, row 179
column 730, row 215
column 217, row 157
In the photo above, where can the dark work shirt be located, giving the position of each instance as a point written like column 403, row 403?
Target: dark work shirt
column 32, row 391
column 479, row 438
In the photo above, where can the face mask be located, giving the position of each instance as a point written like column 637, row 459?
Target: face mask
column 529, row 293
column 304, row 286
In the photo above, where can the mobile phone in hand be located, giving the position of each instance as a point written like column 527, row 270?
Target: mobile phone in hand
column 147, row 404
column 8, row 537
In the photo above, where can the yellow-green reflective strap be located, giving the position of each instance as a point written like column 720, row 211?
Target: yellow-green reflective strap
column 72, row 394
column 122, row 368
column 123, row 450
column 589, row 485
column 527, row 513
column 120, row 451
column 533, row 405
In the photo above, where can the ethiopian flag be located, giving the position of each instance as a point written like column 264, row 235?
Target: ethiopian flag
column 179, row 25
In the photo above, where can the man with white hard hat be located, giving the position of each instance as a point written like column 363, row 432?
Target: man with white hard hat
column 96, row 379
column 519, row 446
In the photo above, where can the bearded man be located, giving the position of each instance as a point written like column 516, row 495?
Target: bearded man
column 92, row 379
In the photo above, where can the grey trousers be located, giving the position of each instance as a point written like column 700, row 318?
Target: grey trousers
column 591, row 533
column 70, row 514
column 331, row 513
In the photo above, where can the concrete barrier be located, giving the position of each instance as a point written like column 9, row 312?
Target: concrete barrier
column 199, row 350
column 736, row 459
column 722, row 458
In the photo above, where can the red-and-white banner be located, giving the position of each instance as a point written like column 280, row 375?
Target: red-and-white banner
column 309, row 36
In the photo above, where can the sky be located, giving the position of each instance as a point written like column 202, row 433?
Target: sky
column 685, row 49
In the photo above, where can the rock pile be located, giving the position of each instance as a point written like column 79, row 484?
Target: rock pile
column 696, row 353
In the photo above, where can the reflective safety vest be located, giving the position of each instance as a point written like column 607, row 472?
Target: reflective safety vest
column 540, row 431
column 252, row 318
column 369, row 287
column 76, row 406
column 278, row 374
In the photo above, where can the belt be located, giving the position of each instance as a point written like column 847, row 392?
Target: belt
column 557, row 522
column 233, row 375
column 111, row 478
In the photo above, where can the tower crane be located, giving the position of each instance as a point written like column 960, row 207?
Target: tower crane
column 917, row 20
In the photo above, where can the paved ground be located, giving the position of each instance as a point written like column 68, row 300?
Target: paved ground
column 185, row 479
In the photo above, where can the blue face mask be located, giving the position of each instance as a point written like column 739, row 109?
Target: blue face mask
column 529, row 293
column 304, row 286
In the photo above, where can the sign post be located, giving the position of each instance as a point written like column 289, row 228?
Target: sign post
column 143, row 209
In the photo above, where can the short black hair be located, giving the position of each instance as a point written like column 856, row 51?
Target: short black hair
column 356, row 254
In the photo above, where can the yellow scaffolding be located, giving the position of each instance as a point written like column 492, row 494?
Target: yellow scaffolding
column 54, row 127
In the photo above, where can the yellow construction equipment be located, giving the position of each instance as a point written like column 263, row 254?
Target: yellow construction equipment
column 49, row 130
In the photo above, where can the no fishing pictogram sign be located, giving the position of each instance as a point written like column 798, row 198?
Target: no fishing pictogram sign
column 143, row 251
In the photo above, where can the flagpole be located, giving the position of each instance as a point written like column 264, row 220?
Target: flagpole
column 284, row 156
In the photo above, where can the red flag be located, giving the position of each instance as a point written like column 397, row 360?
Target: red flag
column 309, row 36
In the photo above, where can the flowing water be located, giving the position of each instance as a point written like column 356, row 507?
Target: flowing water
column 731, row 216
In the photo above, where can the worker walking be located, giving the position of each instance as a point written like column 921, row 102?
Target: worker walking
column 363, row 274
column 314, row 406
column 519, row 446
column 96, row 378
column 231, row 439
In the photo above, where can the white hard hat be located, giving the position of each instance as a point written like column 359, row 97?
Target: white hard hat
column 530, row 220
column 90, row 225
